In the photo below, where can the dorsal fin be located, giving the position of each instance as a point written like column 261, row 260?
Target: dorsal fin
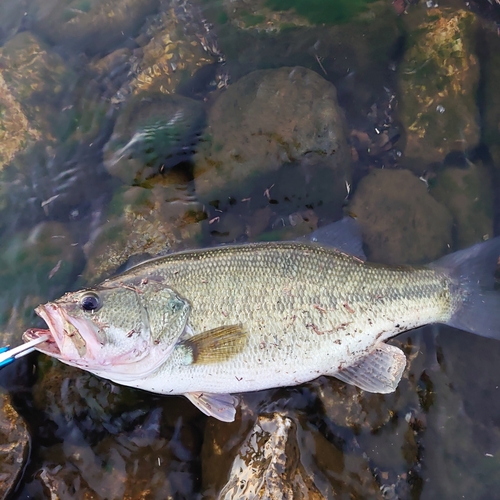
column 344, row 235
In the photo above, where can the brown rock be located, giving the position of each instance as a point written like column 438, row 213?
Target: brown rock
column 14, row 446
column 438, row 79
column 400, row 221
column 267, row 119
column 467, row 194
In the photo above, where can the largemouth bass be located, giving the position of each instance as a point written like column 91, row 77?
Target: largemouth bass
column 244, row 318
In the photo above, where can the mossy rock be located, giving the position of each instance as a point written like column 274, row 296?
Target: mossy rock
column 468, row 196
column 400, row 221
column 268, row 119
column 15, row 446
column 154, row 133
column 89, row 25
column 142, row 222
column 438, row 78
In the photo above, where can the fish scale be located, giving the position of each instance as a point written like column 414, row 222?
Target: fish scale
column 307, row 310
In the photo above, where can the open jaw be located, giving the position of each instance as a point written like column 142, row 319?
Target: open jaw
column 52, row 346
column 48, row 346
column 58, row 343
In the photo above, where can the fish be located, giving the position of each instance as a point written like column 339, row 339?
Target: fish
column 267, row 314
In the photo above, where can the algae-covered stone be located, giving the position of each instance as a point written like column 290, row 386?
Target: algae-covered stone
column 258, row 15
column 15, row 130
column 36, row 77
column 14, row 446
column 142, row 221
column 438, row 79
column 467, row 194
column 154, row 133
column 267, row 119
column 175, row 44
column 400, row 221
column 275, row 15
column 93, row 25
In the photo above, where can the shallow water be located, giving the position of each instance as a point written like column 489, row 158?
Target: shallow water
column 91, row 175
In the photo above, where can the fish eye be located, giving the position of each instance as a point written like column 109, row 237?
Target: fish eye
column 90, row 302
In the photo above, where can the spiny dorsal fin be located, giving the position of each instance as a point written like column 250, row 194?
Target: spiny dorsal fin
column 344, row 235
column 379, row 372
column 216, row 345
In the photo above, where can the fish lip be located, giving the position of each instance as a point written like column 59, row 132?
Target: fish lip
column 57, row 320
column 49, row 347
column 48, row 312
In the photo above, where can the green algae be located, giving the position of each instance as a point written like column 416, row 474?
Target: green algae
column 322, row 11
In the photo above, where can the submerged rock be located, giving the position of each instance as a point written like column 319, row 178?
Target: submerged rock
column 467, row 194
column 154, row 133
column 438, row 79
column 258, row 15
column 281, row 458
column 109, row 441
column 93, row 25
column 400, row 221
column 34, row 264
column 11, row 18
column 462, row 441
column 174, row 45
column 267, row 464
column 14, row 446
column 143, row 221
column 36, row 77
column 490, row 62
column 32, row 81
column 268, row 119
column 16, row 132
column 276, row 15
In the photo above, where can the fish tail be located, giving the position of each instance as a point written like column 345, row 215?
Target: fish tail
column 472, row 271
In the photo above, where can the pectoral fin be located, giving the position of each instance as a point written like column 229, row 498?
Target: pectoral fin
column 220, row 406
column 380, row 371
column 215, row 346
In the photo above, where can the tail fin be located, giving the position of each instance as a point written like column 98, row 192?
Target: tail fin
column 473, row 271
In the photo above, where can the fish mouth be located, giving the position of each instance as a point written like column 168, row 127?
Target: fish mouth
column 64, row 341
column 49, row 346
column 53, row 345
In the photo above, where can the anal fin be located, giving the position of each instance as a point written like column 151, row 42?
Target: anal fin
column 216, row 345
column 379, row 372
column 219, row 406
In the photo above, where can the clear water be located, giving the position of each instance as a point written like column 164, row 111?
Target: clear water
column 436, row 437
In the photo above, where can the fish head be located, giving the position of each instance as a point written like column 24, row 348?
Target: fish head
column 119, row 329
